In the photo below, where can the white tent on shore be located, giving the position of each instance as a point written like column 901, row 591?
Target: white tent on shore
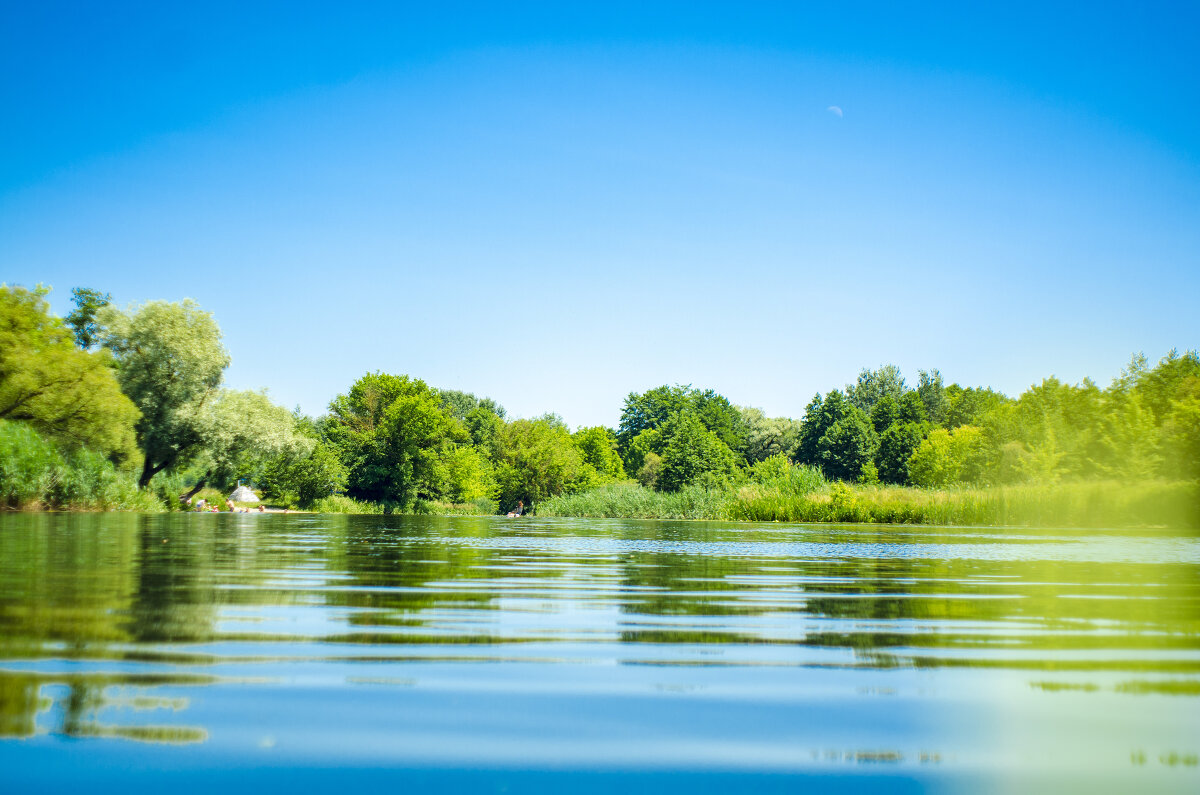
column 243, row 494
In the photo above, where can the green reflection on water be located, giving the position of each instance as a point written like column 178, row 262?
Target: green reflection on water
column 129, row 589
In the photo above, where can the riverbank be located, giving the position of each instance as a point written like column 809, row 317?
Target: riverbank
column 1107, row 503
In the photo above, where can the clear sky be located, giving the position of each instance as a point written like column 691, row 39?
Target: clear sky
column 557, row 204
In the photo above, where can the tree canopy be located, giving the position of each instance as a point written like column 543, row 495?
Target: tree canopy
column 391, row 431
column 68, row 394
column 170, row 362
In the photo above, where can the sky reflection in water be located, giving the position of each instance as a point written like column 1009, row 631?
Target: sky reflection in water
column 482, row 653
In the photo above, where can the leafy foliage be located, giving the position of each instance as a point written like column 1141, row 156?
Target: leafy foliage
column 65, row 393
column 848, row 446
column 946, row 457
column 653, row 408
column 538, row 459
column 873, row 385
column 460, row 404
column 391, row 431
column 599, row 448
column 767, row 436
column 692, row 454
column 82, row 319
column 170, row 362
column 35, row 472
column 896, row 446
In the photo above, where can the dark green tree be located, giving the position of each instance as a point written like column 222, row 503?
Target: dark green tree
column 654, row 407
column 848, row 446
column 911, row 408
column 82, row 318
column 933, row 395
column 885, row 413
column 896, row 446
column 819, row 417
column 692, row 454
column 390, row 431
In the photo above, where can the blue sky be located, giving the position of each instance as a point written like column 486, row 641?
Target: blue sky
column 555, row 207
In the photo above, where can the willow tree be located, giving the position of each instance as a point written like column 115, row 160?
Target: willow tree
column 170, row 362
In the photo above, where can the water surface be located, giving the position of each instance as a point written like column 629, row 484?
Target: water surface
column 246, row 651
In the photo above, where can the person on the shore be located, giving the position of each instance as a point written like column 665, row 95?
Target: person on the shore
column 515, row 512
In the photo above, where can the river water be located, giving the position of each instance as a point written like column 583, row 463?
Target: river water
column 250, row 652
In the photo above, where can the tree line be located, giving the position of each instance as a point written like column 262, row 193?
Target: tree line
column 143, row 387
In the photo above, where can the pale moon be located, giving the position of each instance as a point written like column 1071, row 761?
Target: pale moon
column 835, row 110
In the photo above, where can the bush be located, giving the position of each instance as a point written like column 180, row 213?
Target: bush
column 35, row 473
column 633, row 501
column 339, row 503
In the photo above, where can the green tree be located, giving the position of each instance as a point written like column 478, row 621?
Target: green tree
column 538, row 459
column 692, row 453
column 767, row 436
column 653, row 408
column 65, row 393
column 599, row 448
column 932, row 392
column 896, row 445
column 1163, row 383
column 945, row 457
column 910, row 408
column 466, row 475
column 82, row 318
column 885, row 413
column 646, row 444
column 170, row 362
column 460, row 404
column 1181, row 432
column 845, row 450
column 649, row 410
column 391, row 431
column 307, row 477
column 819, row 416
column 242, row 432
column 485, row 426
column 969, row 406
column 1128, row 440
column 872, row 385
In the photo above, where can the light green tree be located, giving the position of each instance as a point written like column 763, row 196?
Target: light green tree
column 65, row 393
column 170, row 362
column 767, row 436
column 599, row 448
column 1181, row 432
column 241, row 433
column 945, row 457
column 538, row 459
column 465, row 474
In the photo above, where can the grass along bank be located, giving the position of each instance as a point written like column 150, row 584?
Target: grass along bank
column 1107, row 503
column 37, row 474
